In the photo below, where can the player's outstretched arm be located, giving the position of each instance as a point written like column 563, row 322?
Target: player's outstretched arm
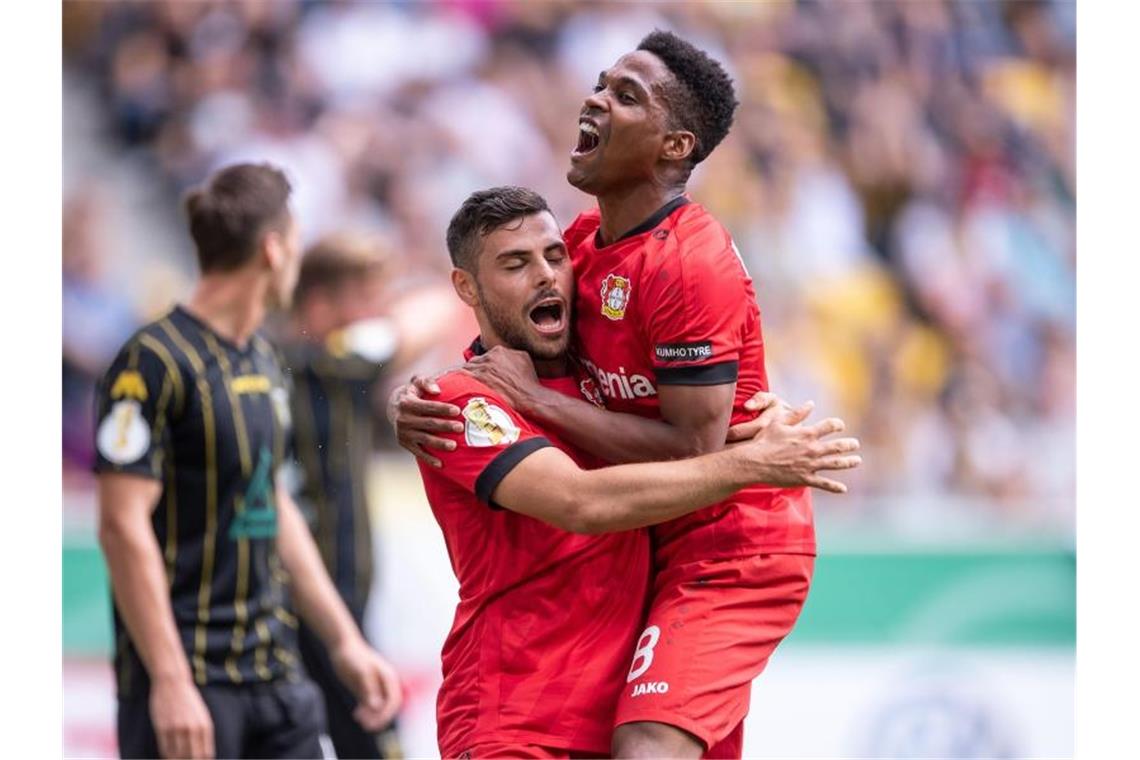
column 181, row 720
column 696, row 422
column 549, row 486
column 366, row 673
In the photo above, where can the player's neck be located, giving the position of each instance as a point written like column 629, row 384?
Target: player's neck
column 625, row 208
column 559, row 367
column 232, row 305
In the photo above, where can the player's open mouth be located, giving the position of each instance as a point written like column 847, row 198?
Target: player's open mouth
column 588, row 138
column 549, row 316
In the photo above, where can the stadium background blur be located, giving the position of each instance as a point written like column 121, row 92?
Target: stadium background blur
column 901, row 182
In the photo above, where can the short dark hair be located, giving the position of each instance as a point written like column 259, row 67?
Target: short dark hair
column 337, row 259
column 231, row 210
column 703, row 101
column 482, row 213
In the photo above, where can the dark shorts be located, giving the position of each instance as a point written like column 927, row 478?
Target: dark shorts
column 283, row 719
column 348, row 737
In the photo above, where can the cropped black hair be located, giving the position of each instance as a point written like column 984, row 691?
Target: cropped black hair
column 703, row 101
column 230, row 212
column 484, row 212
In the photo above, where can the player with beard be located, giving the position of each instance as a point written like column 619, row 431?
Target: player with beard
column 667, row 321
column 553, row 573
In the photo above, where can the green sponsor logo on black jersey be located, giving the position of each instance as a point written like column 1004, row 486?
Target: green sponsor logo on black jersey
column 259, row 517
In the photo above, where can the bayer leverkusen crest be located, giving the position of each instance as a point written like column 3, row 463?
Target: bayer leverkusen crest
column 615, row 296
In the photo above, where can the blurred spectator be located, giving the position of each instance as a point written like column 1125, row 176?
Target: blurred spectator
column 900, row 181
column 96, row 320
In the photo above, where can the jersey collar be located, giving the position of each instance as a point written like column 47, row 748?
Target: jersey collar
column 475, row 349
column 478, row 349
column 654, row 219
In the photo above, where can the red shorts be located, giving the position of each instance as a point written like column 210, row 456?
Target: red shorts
column 711, row 628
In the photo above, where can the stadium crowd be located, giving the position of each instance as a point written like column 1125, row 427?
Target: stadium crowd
column 900, row 181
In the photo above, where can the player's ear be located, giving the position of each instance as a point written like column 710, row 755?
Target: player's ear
column 271, row 249
column 464, row 284
column 678, row 145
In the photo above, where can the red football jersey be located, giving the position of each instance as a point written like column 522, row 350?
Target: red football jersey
column 671, row 303
column 547, row 620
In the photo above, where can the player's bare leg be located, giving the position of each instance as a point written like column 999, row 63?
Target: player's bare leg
column 646, row 739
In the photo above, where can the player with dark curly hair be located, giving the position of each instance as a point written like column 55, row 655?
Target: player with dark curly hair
column 667, row 318
column 667, row 321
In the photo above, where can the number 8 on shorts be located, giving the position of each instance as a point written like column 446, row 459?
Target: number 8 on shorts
column 644, row 652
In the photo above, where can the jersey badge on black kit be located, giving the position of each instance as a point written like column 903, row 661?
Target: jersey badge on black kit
column 123, row 435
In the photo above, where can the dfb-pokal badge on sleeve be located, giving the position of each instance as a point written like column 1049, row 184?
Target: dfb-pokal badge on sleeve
column 487, row 424
column 123, row 435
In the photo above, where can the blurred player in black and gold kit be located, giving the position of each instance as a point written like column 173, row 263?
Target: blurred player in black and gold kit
column 204, row 545
column 349, row 327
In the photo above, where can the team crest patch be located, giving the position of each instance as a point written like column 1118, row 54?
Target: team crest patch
column 487, row 424
column 615, row 296
column 123, row 435
column 590, row 390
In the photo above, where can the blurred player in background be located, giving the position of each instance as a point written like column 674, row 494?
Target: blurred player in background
column 200, row 535
column 667, row 321
column 548, row 608
column 348, row 329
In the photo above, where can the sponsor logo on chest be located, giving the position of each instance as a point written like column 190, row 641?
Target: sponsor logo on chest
column 621, row 384
column 590, row 391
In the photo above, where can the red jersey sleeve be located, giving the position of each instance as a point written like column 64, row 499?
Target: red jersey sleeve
column 579, row 231
column 494, row 438
column 697, row 296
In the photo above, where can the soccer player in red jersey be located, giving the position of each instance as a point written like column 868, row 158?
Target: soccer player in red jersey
column 551, row 599
column 668, row 323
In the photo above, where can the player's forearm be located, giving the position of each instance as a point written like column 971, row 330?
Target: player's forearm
column 317, row 599
column 612, row 436
column 638, row 495
column 139, row 584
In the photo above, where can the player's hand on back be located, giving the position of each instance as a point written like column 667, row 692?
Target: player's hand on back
column 788, row 453
column 768, row 407
column 372, row 680
column 182, row 723
column 508, row 372
column 417, row 419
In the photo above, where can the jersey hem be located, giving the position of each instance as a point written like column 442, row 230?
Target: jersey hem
column 527, row 737
column 670, row 718
column 681, row 558
column 104, row 468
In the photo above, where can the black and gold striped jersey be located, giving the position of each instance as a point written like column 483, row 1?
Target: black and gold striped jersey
column 332, row 406
column 210, row 420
